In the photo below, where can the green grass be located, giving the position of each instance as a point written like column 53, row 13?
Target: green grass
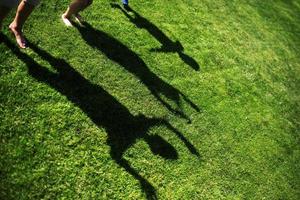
column 120, row 110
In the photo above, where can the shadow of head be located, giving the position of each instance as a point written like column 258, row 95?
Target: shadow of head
column 161, row 147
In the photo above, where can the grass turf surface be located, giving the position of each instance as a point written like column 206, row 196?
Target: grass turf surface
column 175, row 100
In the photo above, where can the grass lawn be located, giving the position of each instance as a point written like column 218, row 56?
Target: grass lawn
column 181, row 99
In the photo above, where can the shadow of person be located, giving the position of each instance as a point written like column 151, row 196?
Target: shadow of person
column 123, row 129
column 167, row 44
column 121, row 54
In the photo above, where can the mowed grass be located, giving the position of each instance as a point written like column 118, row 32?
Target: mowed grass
column 175, row 100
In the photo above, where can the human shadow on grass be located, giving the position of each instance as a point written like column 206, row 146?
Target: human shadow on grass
column 123, row 129
column 167, row 44
column 121, row 54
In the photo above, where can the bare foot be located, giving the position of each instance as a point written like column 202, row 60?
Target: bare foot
column 66, row 20
column 21, row 41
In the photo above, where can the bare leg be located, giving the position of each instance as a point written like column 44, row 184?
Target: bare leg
column 3, row 13
column 86, row 4
column 78, row 16
column 23, row 12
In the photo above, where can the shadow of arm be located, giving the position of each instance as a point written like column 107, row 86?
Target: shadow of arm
column 187, row 143
column 146, row 186
column 169, row 107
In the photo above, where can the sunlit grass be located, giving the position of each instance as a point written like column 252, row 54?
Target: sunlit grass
column 176, row 100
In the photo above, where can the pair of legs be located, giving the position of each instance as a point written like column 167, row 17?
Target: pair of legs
column 73, row 10
column 23, row 11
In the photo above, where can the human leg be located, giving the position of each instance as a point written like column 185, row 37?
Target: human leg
column 74, row 8
column 78, row 16
column 24, row 10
